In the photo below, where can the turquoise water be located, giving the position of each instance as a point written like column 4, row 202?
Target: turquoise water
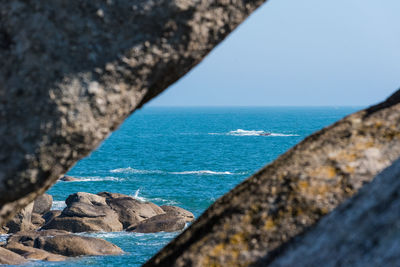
column 186, row 157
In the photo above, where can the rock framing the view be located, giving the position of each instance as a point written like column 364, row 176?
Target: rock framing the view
column 292, row 193
column 72, row 71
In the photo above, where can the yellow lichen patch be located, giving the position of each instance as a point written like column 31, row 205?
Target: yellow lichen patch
column 303, row 185
column 323, row 172
column 349, row 169
column 269, row 224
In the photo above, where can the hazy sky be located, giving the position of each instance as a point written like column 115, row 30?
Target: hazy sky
column 309, row 52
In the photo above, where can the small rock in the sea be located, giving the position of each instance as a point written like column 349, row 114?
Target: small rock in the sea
column 159, row 223
column 67, row 178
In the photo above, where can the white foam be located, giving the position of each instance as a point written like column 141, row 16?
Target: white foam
column 132, row 170
column 136, row 196
column 58, row 205
column 206, row 172
column 157, row 199
column 3, row 237
column 241, row 132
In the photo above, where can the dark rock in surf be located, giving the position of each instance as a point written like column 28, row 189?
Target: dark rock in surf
column 179, row 212
column 48, row 216
column 159, row 223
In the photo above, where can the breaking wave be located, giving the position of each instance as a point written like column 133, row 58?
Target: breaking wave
column 241, row 132
column 200, row 172
column 58, row 205
column 132, row 170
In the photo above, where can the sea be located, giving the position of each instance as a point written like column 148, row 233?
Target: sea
column 187, row 157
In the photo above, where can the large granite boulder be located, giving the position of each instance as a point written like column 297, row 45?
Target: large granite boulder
column 74, row 70
column 130, row 210
column 10, row 258
column 42, row 204
column 63, row 243
column 159, row 223
column 178, row 211
column 34, row 253
column 37, row 220
column 86, row 212
column 292, row 193
column 22, row 221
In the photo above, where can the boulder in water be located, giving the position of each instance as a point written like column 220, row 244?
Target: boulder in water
column 159, row 223
column 10, row 258
column 177, row 211
column 34, row 253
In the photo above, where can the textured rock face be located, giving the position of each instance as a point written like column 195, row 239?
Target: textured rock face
column 22, row 221
column 11, row 258
column 74, row 70
column 292, row 193
column 364, row 231
column 159, row 223
column 177, row 211
column 61, row 243
column 42, row 204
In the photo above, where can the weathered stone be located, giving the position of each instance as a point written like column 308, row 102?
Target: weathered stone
column 70, row 76
column 292, row 193
column 42, row 204
column 159, row 223
column 34, row 253
column 11, row 258
column 48, row 216
column 364, row 231
column 37, row 220
column 22, row 221
column 131, row 211
column 108, row 223
column 73, row 245
column 87, row 198
column 177, row 211
column 63, row 243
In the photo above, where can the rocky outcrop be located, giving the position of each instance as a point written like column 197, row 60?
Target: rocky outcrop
column 74, row 70
column 60, row 243
column 159, row 223
column 48, row 216
column 292, row 193
column 37, row 220
column 34, row 253
column 10, row 258
column 177, row 211
column 22, row 221
column 131, row 211
column 364, row 231
column 67, row 178
column 42, row 204
column 86, row 212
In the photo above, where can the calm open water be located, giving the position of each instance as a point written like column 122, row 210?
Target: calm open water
column 186, row 157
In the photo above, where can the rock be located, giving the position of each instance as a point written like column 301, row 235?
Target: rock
column 22, row 221
column 363, row 231
column 34, row 253
column 37, row 220
column 177, row 211
column 87, row 198
column 48, row 216
column 292, row 193
column 10, row 258
column 64, row 243
column 159, row 223
column 131, row 211
column 67, row 178
column 86, row 213
column 87, row 79
column 42, row 204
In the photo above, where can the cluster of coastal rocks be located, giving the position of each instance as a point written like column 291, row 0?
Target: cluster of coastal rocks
column 39, row 233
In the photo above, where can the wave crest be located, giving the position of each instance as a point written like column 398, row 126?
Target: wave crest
column 241, row 132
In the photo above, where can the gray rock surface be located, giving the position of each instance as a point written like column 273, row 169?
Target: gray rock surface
column 72, row 71
column 63, row 243
column 42, row 204
column 159, row 223
column 292, row 193
column 37, row 220
column 21, row 221
column 178, row 211
column 364, row 231
column 48, row 216
column 34, row 253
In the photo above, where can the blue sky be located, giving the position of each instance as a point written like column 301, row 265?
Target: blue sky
column 300, row 53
